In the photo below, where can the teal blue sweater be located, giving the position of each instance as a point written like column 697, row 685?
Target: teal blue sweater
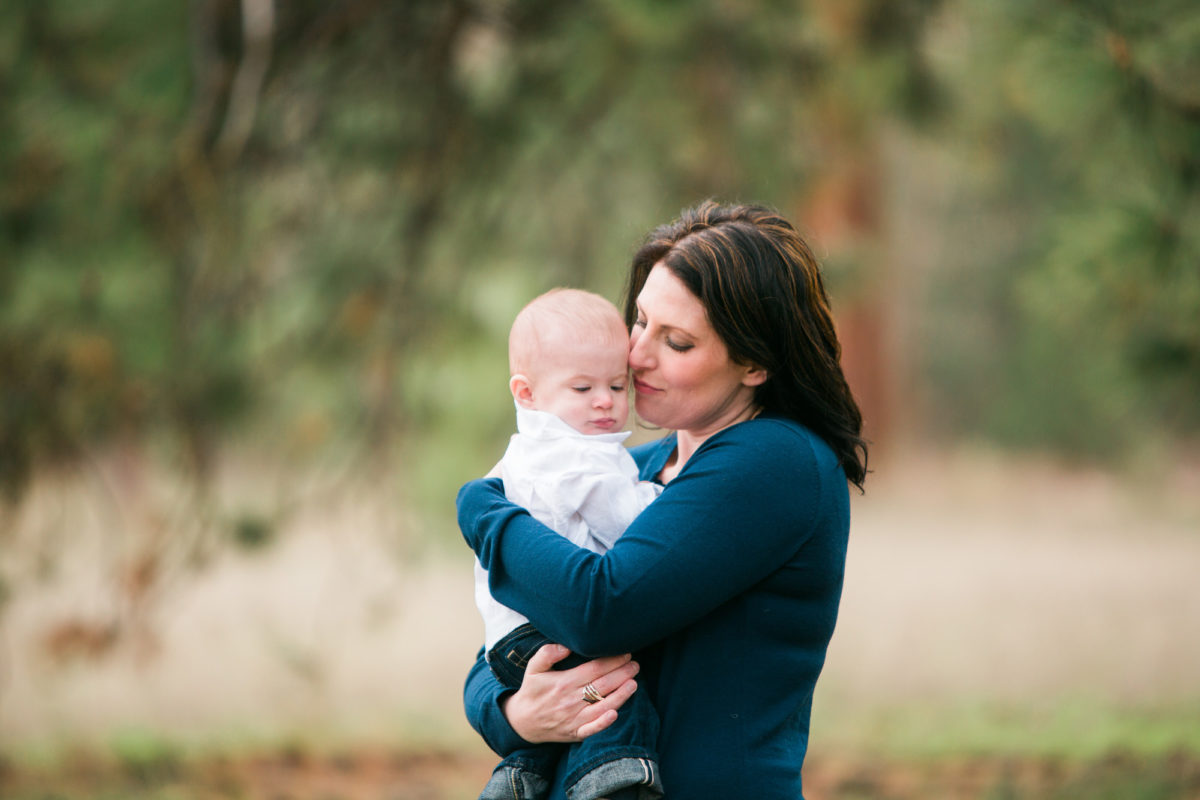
column 726, row 588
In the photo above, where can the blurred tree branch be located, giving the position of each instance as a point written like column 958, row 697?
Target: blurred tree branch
column 258, row 24
column 302, row 217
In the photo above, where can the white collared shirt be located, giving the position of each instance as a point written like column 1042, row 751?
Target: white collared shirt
column 583, row 487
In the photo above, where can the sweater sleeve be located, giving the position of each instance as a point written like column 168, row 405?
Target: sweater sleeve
column 481, row 699
column 742, row 506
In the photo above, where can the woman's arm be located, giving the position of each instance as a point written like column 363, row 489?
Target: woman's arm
column 743, row 505
column 482, row 699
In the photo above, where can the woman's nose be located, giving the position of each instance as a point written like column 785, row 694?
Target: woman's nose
column 639, row 356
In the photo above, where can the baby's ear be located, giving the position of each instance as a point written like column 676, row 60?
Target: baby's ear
column 522, row 392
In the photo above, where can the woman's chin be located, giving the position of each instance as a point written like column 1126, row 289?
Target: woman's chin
column 649, row 414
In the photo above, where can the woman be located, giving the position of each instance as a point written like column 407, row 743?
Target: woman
column 727, row 586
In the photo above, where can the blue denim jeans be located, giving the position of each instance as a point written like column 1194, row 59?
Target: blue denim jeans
column 620, row 758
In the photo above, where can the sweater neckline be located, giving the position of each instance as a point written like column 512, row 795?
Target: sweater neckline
column 668, row 444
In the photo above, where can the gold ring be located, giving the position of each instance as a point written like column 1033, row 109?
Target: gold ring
column 591, row 694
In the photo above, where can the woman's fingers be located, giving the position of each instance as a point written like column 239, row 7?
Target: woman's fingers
column 617, row 697
column 607, row 674
column 546, row 657
column 599, row 716
column 613, row 681
column 596, row 725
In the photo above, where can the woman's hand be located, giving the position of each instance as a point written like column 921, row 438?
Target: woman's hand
column 549, row 706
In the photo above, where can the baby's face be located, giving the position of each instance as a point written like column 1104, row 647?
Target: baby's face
column 585, row 384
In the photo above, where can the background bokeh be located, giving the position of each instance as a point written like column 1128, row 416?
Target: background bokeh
column 257, row 265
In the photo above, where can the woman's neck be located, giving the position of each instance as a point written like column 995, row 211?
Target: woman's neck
column 688, row 442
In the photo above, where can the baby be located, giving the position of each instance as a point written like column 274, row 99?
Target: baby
column 567, row 465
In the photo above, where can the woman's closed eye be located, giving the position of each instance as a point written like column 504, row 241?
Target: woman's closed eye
column 679, row 347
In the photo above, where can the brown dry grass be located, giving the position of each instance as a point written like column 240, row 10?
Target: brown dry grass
column 976, row 581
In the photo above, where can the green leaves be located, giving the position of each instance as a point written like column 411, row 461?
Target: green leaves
column 406, row 160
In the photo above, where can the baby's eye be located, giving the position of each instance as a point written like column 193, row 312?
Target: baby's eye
column 618, row 387
column 581, row 389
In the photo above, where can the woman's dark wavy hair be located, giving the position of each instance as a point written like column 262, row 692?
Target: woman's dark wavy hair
column 762, row 289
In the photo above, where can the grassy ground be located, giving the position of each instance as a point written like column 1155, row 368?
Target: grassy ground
column 1008, row 630
column 406, row 775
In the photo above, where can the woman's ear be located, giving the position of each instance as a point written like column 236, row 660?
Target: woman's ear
column 755, row 376
column 521, row 390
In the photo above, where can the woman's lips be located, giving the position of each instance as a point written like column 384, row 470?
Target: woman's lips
column 643, row 388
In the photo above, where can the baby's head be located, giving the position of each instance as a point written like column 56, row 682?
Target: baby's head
column 568, row 354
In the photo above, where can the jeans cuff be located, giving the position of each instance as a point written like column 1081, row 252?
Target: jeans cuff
column 515, row 783
column 620, row 773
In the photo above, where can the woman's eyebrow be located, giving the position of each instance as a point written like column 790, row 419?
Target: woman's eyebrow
column 676, row 329
column 666, row 326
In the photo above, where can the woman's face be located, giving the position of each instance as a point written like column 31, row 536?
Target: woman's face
column 682, row 372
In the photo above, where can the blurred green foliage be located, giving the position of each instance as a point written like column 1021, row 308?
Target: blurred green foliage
column 146, row 758
column 313, row 229
column 1094, row 112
